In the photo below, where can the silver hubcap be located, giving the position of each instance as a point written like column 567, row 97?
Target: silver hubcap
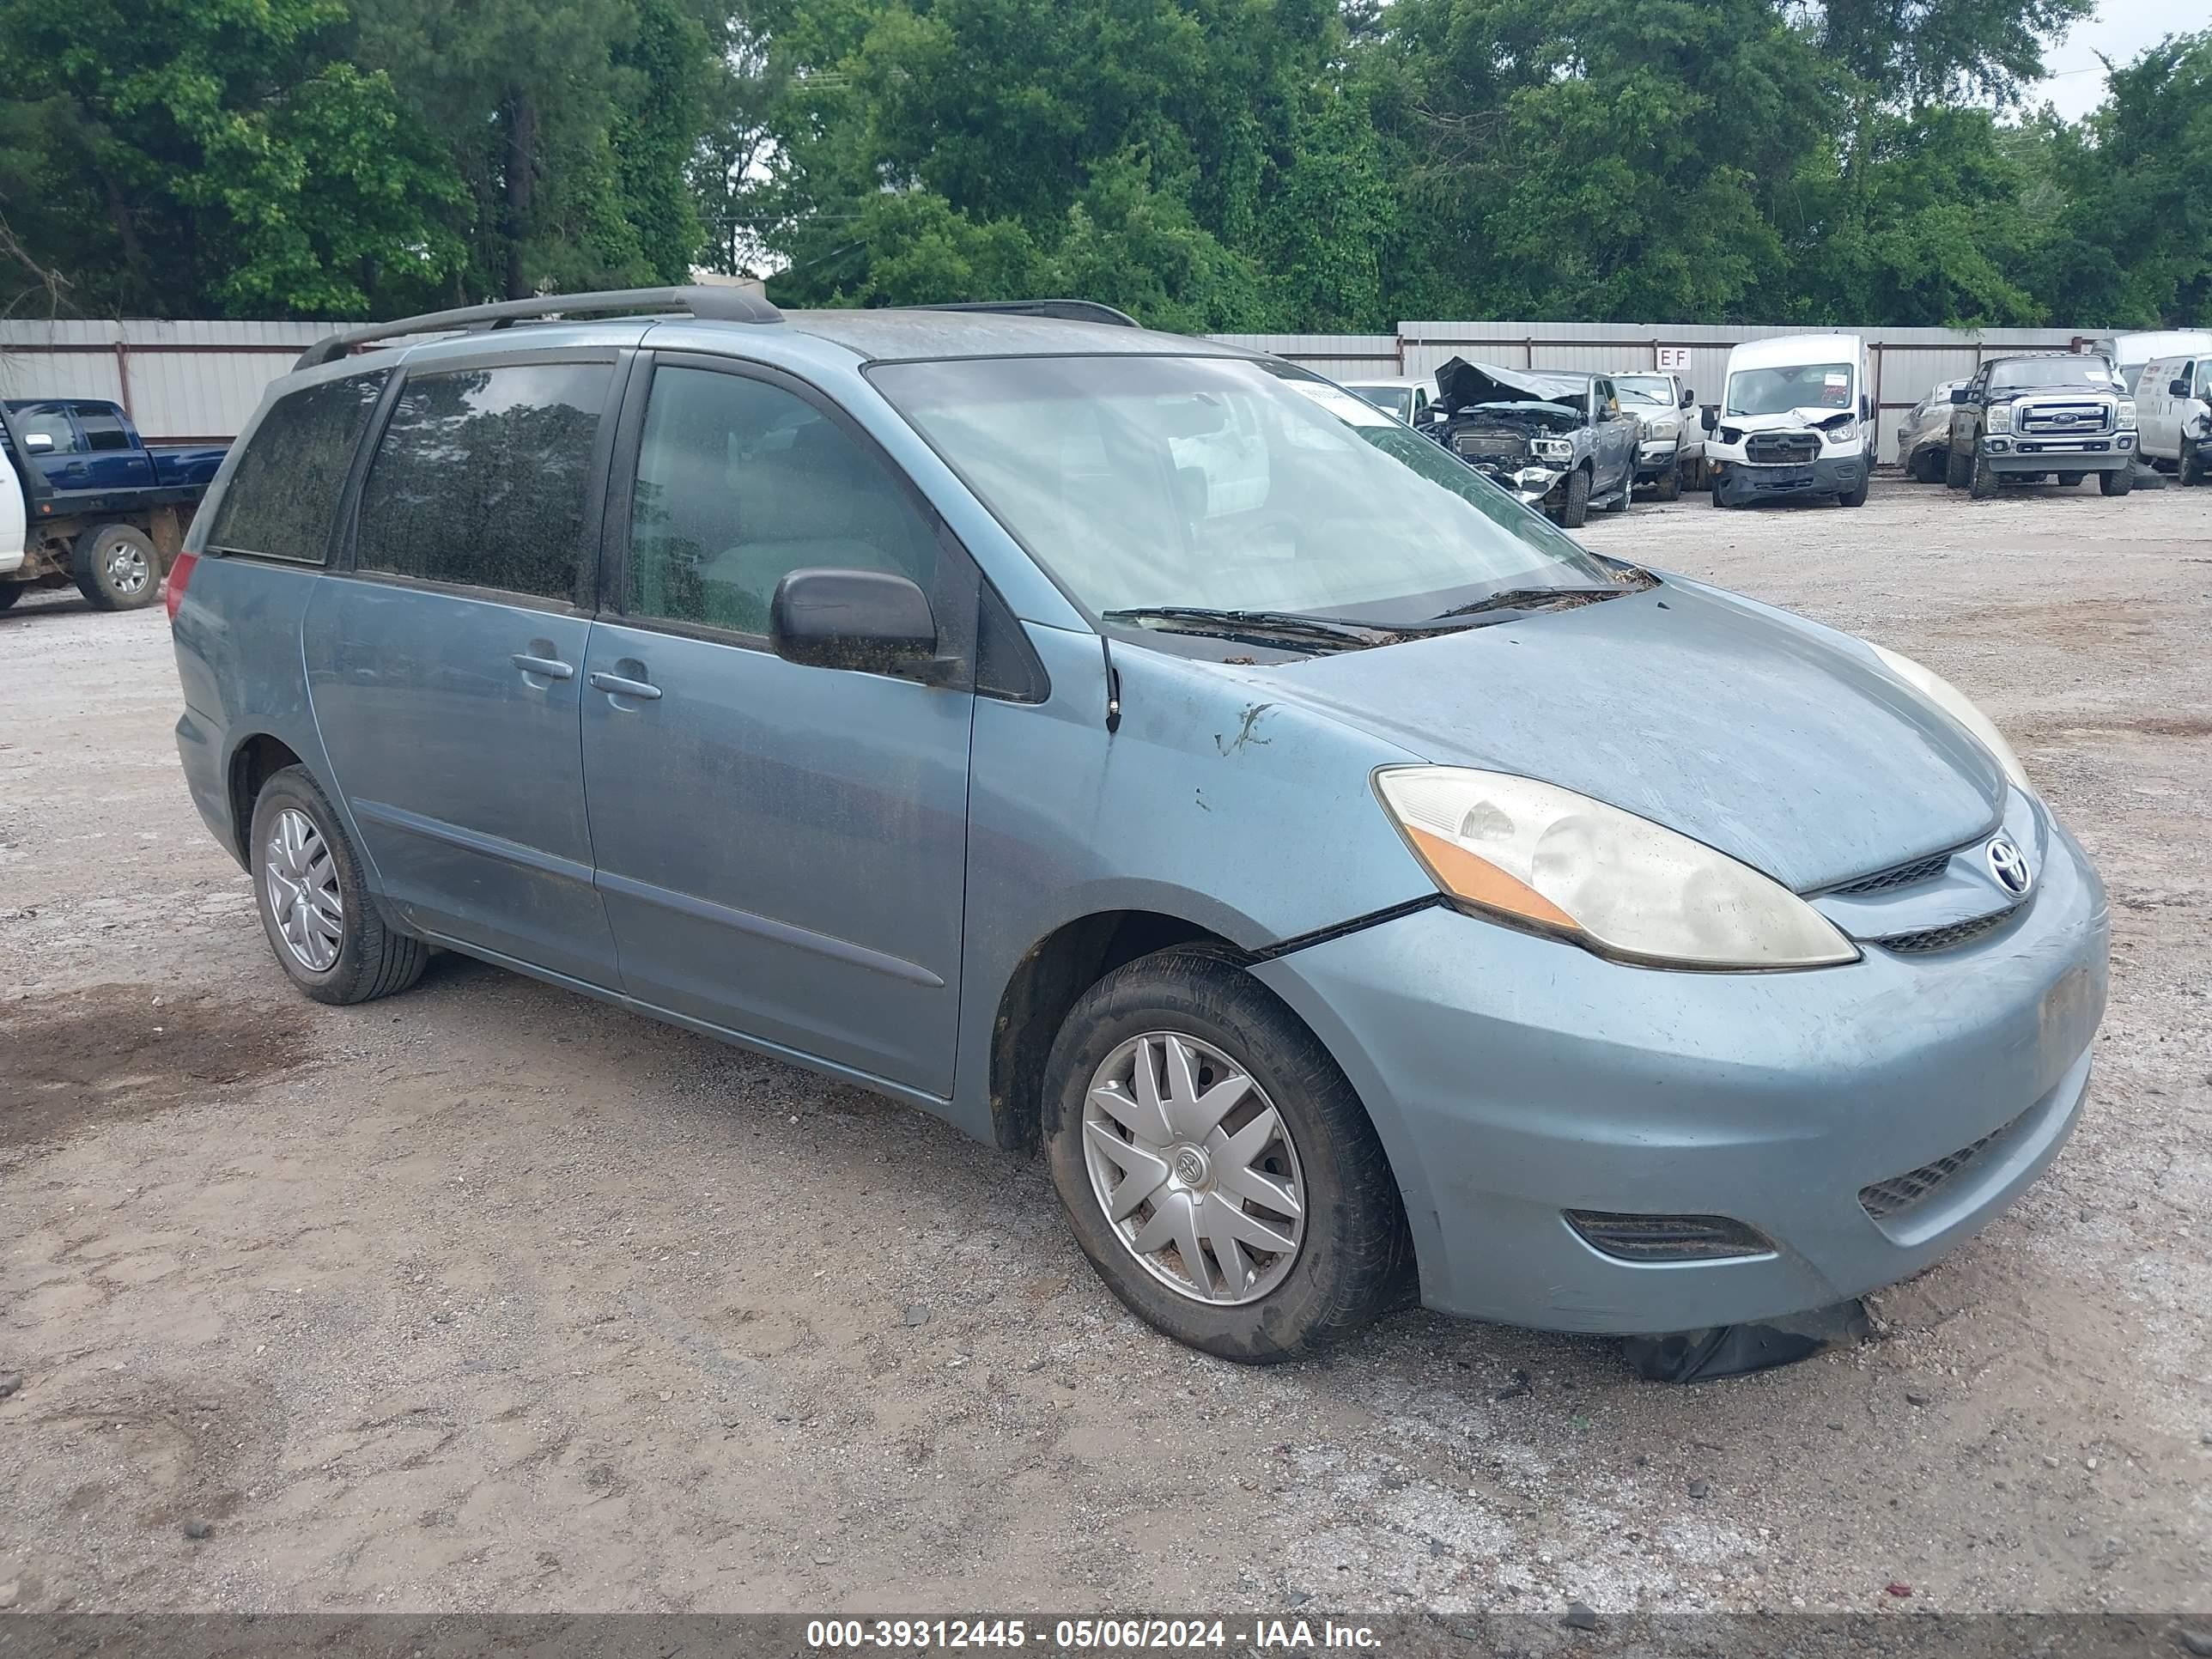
column 301, row 883
column 1193, row 1168
column 127, row 569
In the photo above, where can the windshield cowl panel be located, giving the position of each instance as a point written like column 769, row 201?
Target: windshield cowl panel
column 1144, row 483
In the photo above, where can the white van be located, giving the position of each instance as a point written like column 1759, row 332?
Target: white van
column 2173, row 413
column 1796, row 419
column 2128, row 353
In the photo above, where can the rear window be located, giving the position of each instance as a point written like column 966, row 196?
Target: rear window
column 284, row 494
column 481, row 477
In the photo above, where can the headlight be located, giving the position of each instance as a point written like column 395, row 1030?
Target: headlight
column 2000, row 417
column 1843, row 432
column 2127, row 411
column 1552, row 449
column 1566, row 865
column 1730, row 435
column 1665, row 427
column 1960, row 708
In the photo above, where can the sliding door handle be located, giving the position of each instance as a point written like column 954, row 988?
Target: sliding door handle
column 615, row 685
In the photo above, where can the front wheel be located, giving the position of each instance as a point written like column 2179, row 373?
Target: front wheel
column 1982, row 480
column 1216, row 1166
column 314, row 902
column 2068, row 480
column 2119, row 481
column 11, row 591
column 1574, row 507
column 1857, row 494
column 2192, row 464
column 116, row 568
column 1670, row 483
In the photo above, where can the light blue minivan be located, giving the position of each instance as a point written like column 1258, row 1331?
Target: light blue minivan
column 1139, row 749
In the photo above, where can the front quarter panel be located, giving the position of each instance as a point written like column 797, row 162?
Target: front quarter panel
column 1210, row 804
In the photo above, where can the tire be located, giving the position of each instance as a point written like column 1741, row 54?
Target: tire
column 1670, row 483
column 367, row 959
column 1957, row 469
column 1927, row 467
column 2119, row 481
column 1714, row 485
column 2193, row 465
column 1627, row 493
column 11, row 591
column 1982, row 479
column 2068, row 480
column 1574, row 509
column 1353, row 1259
column 116, row 568
column 1857, row 494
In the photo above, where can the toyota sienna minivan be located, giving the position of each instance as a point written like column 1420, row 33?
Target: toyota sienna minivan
column 1139, row 749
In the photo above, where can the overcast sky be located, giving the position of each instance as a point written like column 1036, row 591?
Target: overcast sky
column 2119, row 29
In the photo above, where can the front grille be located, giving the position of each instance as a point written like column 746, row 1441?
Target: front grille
column 1507, row 448
column 1885, row 1198
column 1904, row 875
column 2067, row 416
column 1949, row 936
column 1666, row 1237
column 1781, row 448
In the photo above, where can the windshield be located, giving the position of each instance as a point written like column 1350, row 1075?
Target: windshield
column 2049, row 370
column 1226, row 483
column 1795, row 386
column 1645, row 389
column 1397, row 399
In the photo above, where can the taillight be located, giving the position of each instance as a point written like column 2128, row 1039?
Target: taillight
column 172, row 591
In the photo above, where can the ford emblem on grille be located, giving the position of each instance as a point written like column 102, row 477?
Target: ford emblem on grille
column 2010, row 864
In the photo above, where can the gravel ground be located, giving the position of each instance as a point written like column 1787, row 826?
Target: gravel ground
column 493, row 1298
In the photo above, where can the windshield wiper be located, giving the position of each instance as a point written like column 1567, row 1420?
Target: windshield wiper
column 1262, row 626
column 1530, row 599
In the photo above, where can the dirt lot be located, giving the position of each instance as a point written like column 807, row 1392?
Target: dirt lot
column 491, row 1298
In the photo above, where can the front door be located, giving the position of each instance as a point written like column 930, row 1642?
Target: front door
column 780, row 849
column 447, row 666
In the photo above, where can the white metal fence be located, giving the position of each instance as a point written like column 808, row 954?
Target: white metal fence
column 199, row 380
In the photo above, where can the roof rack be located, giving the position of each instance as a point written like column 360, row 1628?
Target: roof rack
column 1067, row 311
column 721, row 305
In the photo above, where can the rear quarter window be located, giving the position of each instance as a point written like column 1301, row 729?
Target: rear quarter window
column 284, row 494
column 481, row 480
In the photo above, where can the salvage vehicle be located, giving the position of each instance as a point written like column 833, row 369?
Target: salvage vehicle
column 1923, row 437
column 1796, row 421
column 2173, row 403
column 1558, row 440
column 15, row 534
column 1357, row 887
column 108, row 511
column 1408, row 396
column 2129, row 353
column 2023, row 420
column 1670, row 452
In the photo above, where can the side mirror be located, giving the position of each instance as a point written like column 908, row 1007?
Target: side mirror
column 1688, row 396
column 38, row 443
column 1708, row 416
column 865, row 619
column 1962, row 394
column 2177, row 388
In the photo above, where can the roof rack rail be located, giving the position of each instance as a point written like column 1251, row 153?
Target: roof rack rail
column 723, row 305
column 1067, row 311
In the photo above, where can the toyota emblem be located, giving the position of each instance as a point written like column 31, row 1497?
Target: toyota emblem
column 2010, row 864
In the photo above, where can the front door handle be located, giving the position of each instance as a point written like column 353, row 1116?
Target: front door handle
column 551, row 668
column 615, row 685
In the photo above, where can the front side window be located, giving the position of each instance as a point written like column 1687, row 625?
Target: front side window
column 1140, row 482
column 739, row 482
column 480, row 480
column 284, row 491
column 1394, row 399
column 1823, row 387
column 52, row 422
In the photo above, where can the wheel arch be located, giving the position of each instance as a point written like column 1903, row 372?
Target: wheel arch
column 253, row 761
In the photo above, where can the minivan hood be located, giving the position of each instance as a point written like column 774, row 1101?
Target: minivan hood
column 1782, row 744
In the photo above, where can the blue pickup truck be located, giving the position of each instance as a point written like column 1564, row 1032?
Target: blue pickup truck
column 105, row 510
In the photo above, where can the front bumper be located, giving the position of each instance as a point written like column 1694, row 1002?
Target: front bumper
column 2108, row 453
column 1737, row 482
column 1512, row 1079
column 1657, row 457
column 1532, row 485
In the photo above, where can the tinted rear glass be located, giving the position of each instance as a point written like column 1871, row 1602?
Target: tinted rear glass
column 481, row 476
column 284, row 491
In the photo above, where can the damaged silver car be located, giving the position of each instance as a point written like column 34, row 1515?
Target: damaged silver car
column 1555, row 438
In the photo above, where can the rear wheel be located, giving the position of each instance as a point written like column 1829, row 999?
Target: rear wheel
column 1981, row 478
column 116, row 568
column 1619, row 503
column 314, row 904
column 2117, row 481
column 1574, row 507
column 1670, row 483
column 1957, row 469
column 1216, row 1166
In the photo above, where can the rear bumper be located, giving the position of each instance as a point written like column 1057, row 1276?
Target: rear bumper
column 1739, row 481
column 1514, row 1078
column 200, row 746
